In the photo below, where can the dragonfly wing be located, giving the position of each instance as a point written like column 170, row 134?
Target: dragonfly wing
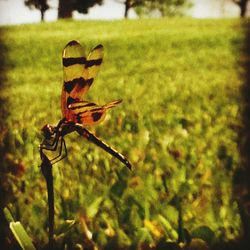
column 112, row 104
column 91, row 68
column 79, row 73
column 94, row 61
column 88, row 113
column 74, row 74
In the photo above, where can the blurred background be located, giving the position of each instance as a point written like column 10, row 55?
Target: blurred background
column 182, row 70
column 16, row 12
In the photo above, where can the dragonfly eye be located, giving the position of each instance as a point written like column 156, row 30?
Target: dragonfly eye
column 48, row 131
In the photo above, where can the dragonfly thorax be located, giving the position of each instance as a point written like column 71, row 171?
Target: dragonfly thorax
column 48, row 131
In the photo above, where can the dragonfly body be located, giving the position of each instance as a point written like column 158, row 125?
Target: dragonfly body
column 79, row 73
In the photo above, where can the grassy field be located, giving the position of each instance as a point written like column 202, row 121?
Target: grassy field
column 180, row 85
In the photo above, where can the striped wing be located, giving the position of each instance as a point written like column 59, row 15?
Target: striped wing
column 79, row 73
column 88, row 113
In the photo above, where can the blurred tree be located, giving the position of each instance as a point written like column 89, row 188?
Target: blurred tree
column 243, row 6
column 172, row 7
column 66, row 7
column 41, row 5
column 163, row 7
column 132, row 4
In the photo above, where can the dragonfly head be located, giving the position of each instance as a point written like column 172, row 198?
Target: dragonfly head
column 48, row 131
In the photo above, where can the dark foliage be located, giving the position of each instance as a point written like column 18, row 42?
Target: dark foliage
column 41, row 5
column 243, row 6
column 66, row 7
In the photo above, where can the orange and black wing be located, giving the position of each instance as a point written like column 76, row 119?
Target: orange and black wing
column 79, row 73
column 88, row 113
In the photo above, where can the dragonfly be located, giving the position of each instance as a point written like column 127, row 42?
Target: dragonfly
column 79, row 73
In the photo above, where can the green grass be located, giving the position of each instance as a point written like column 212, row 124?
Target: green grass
column 180, row 85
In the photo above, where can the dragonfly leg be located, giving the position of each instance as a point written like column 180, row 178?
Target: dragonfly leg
column 54, row 147
column 51, row 131
column 50, row 146
column 56, row 143
column 62, row 152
